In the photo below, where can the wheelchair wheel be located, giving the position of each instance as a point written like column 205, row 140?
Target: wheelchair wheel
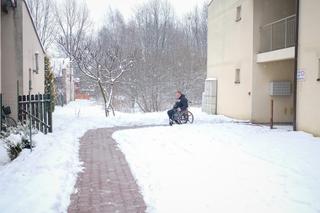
column 183, row 119
column 190, row 117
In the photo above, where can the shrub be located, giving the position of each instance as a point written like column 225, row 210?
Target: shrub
column 16, row 139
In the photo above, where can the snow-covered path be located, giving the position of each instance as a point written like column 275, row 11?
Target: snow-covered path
column 224, row 167
column 214, row 165
column 42, row 181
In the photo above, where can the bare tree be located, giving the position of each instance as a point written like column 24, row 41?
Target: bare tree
column 168, row 53
column 154, row 23
column 44, row 19
column 100, row 57
column 104, row 67
column 173, row 55
column 73, row 23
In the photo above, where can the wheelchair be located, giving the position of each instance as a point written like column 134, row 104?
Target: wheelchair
column 184, row 117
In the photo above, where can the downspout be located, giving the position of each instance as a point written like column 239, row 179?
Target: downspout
column 296, row 60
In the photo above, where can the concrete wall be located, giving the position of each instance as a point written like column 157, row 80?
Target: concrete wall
column 308, row 108
column 267, row 11
column 230, row 48
column 68, row 84
column 11, row 42
column 31, row 45
column 234, row 45
column 0, row 58
column 64, row 72
column 283, row 105
column 19, row 44
column 209, row 97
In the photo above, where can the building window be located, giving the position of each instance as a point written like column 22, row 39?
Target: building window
column 318, row 79
column 237, row 76
column 238, row 17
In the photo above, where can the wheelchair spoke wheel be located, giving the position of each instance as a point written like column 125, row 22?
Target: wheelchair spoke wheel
column 190, row 117
column 183, row 118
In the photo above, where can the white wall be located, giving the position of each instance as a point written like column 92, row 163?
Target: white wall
column 267, row 11
column 230, row 48
column 31, row 45
column 308, row 108
column 19, row 43
column 11, row 66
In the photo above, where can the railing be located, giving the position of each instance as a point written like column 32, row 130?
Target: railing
column 279, row 34
column 38, row 109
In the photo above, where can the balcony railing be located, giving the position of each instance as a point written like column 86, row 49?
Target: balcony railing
column 279, row 34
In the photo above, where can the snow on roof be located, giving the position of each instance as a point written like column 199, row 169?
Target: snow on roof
column 59, row 64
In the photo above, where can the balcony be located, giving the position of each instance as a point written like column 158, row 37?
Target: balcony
column 278, row 40
column 278, row 35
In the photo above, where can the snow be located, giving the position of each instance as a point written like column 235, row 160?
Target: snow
column 224, row 167
column 42, row 181
column 4, row 158
column 215, row 165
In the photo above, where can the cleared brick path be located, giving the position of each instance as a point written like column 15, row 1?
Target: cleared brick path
column 106, row 185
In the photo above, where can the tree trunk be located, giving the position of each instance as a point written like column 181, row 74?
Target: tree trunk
column 106, row 110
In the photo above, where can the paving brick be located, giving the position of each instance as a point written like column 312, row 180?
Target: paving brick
column 106, row 185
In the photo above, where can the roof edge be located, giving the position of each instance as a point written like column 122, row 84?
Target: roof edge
column 211, row 1
column 34, row 26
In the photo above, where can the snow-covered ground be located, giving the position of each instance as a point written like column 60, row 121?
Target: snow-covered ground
column 42, row 181
column 224, row 167
column 214, row 164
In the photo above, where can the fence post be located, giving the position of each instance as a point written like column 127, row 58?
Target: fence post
column 286, row 33
column 32, row 110
column 19, row 108
column 45, row 114
column 1, row 112
column 271, row 38
column 18, row 99
column 24, row 108
column 49, row 113
column 271, row 117
column 36, row 104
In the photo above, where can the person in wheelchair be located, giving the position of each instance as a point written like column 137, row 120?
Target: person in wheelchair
column 180, row 106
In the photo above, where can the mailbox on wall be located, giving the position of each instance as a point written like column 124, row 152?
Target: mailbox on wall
column 280, row 88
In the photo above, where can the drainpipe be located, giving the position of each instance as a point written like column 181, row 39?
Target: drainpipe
column 295, row 90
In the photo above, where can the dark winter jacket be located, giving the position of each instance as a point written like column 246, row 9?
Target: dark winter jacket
column 182, row 103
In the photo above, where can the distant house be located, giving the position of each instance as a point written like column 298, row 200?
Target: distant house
column 22, row 55
column 65, row 81
column 252, row 46
column 80, row 92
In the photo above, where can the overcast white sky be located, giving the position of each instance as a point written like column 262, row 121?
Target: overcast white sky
column 98, row 8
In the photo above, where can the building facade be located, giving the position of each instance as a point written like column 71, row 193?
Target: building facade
column 22, row 55
column 65, row 81
column 308, row 87
column 251, row 56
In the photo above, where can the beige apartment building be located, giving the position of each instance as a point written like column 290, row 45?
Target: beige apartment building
column 255, row 55
column 21, row 54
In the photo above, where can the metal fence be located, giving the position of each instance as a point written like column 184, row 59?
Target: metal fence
column 279, row 34
column 1, row 112
column 36, row 108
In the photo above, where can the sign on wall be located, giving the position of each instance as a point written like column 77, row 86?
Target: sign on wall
column 301, row 75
